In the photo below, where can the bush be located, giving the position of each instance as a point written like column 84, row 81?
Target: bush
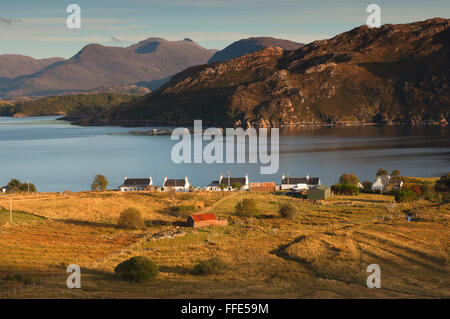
column 209, row 267
column 287, row 210
column 382, row 172
column 345, row 189
column 246, row 208
column 429, row 193
column 403, row 196
column 137, row 269
column 131, row 218
column 182, row 210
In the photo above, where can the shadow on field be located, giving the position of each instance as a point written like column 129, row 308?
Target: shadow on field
column 85, row 223
column 175, row 270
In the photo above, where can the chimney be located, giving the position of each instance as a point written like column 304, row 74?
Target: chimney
column 151, row 181
column 282, row 177
column 307, row 176
column 246, row 179
column 220, row 178
column 165, row 179
column 125, row 178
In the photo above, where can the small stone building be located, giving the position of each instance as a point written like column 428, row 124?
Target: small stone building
column 320, row 192
column 202, row 220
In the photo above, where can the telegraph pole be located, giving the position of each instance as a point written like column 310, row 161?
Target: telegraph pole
column 10, row 209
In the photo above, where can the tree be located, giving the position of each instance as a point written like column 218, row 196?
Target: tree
column 404, row 196
column 222, row 186
column 382, row 172
column 350, row 179
column 367, row 186
column 395, row 174
column 100, row 183
column 246, row 208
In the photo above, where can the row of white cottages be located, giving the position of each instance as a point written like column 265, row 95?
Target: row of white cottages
column 230, row 183
column 222, row 184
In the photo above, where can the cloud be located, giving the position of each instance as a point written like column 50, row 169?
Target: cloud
column 9, row 21
column 115, row 39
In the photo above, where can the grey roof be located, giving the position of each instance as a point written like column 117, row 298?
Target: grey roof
column 233, row 180
column 136, row 182
column 175, row 182
column 214, row 183
column 300, row 180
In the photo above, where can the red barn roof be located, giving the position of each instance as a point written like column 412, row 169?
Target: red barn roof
column 203, row 217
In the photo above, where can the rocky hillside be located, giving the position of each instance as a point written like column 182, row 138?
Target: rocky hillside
column 149, row 63
column 396, row 73
column 244, row 46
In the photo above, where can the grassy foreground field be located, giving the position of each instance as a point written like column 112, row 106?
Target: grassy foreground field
column 321, row 253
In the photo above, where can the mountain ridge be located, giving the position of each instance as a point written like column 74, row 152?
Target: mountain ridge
column 393, row 74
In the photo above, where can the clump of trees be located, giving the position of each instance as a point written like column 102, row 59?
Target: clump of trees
column 210, row 266
column 382, row 172
column 100, row 183
column 348, row 185
column 345, row 189
column 367, row 186
column 442, row 186
column 246, row 208
column 130, row 218
column 137, row 269
column 16, row 186
column 288, row 210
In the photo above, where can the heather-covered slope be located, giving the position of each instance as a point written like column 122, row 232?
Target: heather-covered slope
column 396, row 73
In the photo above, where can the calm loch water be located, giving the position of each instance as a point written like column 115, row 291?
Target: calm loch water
column 57, row 156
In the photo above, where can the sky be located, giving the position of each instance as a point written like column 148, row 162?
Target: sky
column 38, row 28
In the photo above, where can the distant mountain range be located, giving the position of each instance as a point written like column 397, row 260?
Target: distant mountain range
column 244, row 46
column 146, row 65
column 149, row 63
column 14, row 65
column 396, row 73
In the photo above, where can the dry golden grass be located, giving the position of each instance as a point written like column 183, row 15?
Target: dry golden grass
column 322, row 253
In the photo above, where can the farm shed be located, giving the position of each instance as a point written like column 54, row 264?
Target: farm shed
column 202, row 220
column 319, row 192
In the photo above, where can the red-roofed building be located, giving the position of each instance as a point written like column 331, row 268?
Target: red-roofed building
column 202, row 220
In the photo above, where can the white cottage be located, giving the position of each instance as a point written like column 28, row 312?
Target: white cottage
column 299, row 183
column 136, row 184
column 229, row 183
column 382, row 181
column 177, row 185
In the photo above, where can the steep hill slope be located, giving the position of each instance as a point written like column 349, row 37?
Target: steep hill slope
column 397, row 73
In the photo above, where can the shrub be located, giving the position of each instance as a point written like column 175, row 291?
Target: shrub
column 131, row 218
column 345, row 189
column 246, row 208
column 287, row 210
column 416, row 189
column 403, row 196
column 209, row 267
column 137, row 269
column 429, row 193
